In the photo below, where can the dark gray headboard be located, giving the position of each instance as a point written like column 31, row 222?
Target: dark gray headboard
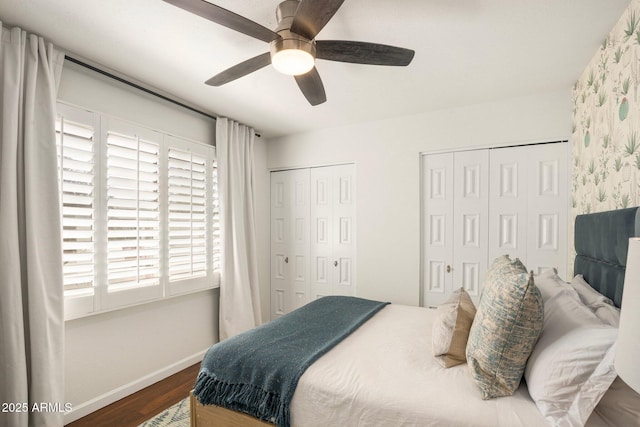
column 601, row 242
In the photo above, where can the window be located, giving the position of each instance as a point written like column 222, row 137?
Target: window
column 139, row 213
column 188, row 194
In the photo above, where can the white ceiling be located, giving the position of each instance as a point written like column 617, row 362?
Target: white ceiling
column 467, row 52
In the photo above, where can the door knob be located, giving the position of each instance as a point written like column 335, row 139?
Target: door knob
column 286, row 260
column 448, row 269
column 335, row 263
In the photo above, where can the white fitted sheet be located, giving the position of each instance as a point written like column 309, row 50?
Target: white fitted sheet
column 384, row 374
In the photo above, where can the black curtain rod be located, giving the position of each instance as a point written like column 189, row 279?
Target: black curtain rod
column 137, row 86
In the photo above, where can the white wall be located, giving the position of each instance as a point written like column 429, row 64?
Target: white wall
column 387, row 157
column 111, row 355
column 88, row 89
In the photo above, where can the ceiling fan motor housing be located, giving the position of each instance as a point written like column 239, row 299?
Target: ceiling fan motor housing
column 291, row 40
column 290, row 44
column 285, row 12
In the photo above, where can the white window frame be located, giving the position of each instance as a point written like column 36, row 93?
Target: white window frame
column 176, row 287
column 82, row 302
column 100, row 299
column 113, row 299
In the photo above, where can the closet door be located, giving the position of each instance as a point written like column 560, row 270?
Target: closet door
column 480, row 204
column 438, row 202
column 470, row 216
column 529, row 205
column 332, row 223
column 289, row 240
column 508, row 204
column 548, row 208
column 455, row 197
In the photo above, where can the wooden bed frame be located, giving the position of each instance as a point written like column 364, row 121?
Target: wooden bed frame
column 216, row 416
column 601, row 241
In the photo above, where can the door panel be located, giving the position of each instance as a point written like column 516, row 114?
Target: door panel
column 289, row 240
column 322, row 224
column 343, row 213
column 470, row 231
column 437, row 227
column 279, row 243
column 548, row 208
column 508, row 203
column 299, row 245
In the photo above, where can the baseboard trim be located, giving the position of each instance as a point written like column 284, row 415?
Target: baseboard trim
column 108, row 398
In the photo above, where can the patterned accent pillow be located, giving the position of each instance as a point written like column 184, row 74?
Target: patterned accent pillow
column 506, row 328
column 451, row 328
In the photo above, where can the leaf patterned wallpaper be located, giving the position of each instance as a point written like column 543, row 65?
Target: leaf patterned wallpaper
column 606, row 122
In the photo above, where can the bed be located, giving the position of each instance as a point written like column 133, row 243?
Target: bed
column 384, row 373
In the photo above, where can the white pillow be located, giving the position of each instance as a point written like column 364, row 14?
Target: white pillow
column 571, row 366
column 602, row 306
column 588, row 295
column 609, row 314
column 551, row 284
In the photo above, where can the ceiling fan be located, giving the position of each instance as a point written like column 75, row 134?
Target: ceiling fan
column 293, row 44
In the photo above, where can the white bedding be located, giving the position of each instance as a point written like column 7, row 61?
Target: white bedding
column 384, row 374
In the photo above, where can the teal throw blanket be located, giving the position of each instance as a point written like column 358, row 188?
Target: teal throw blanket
column 257, row 372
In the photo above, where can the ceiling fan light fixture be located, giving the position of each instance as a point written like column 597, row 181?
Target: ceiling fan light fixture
column 292, row 62
column 292, row 54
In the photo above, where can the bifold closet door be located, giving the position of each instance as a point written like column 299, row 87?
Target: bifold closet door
column 437, row 208
column 480, row 204
column 470, row 230
column 312, row 235
column 289, row 240
column 455, row 209
column 332, row 223
column 508, row 206
column 548, row 201
column 529, row 205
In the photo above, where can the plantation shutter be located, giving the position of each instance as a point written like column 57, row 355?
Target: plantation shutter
column 139, row 210
column 187, row 216
column 215, row 204
column 132, row 214
column 76, row 145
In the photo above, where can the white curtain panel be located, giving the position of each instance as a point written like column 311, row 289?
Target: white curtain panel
column 31, row 295
column 239, row 289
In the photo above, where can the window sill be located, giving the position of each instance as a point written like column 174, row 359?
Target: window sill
column 82, row 305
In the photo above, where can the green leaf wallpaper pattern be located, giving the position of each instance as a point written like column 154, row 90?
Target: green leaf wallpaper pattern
column 606, row 122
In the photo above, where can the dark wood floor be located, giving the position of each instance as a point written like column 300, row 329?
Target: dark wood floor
column 139, row 407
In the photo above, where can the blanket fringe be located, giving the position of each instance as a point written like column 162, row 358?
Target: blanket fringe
column 246, row 398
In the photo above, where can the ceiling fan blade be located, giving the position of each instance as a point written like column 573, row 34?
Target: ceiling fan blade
column 363, row 53
column 312, row 15
column 239, row 70
column 226, row 18
column 311, row 86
